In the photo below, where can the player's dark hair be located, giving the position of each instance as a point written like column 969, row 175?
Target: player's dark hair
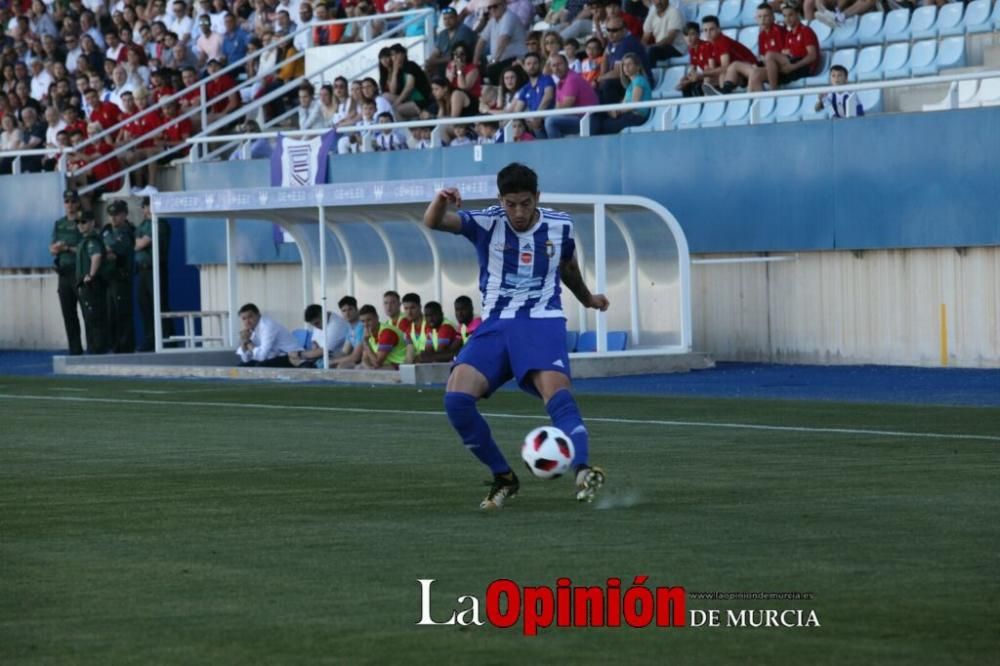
column 433, row 306
column 391, row 293
column 690, row 27
column 463, row 300
column 766, row 6
column 347, row 300
column 313, row 312
column 412, row 298
column 515, row 178
column 368, row 309
column 839, row 68
column 710, row 19
column 249, row 307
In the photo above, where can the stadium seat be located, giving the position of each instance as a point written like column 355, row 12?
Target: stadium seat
column 809, row 110
column 762, row 111
column 867, row 66
column 788, row 109
column 737, row 113
column 843, row 57
column 965, row 96
column 921, row 62
column 894, row 63
column 824, row 34
column 748, row 37
column 655, row 123
column 989, row 92
column 846, row 34
column 617, row 340
column 571, row 338
column 748, row 17
column 896, row 26
column 731, row 33
column 977, row 16
column 729, row 13
column 824, row 71
column 708, row 8
column 303, row 337
column 667, row 87
column 950, row 53
column 871, row 101
column 712, row 114
column 949, row 20
column 870, row 29
column 687, row 116
column 922, row 22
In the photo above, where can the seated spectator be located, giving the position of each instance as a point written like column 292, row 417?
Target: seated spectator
column 324, row 35
column 391, row 306
column 465, row 317
column 407, row 87
column 209, row 44
column 700, row 53
column 512, row 80
column 142, row 125
column 441, row 342
column 453, row 33
column 10, row 139
column 450, row 103
column 172, row 142
column 263, row 341
column 613, row 9
column 217, row 88
column 252, row 149
column 840, row 105
column 725, row 51
column 662, row 33
column 384, row 346
column 770, row 38
column 620, row 43
column 335, row 335
column 106, row 114
column 572, row 90
column 413, row 318
column 593, row 61
column 33, row 138
column 800, row 57
column 519, row 130
column 308, row 111
column 637, row 89
column 463, row 136
column 420, row 138
column 235, row 40
column 571, row 49
column 352, row 142
column 463, row 76
column 537, row 94
column 834, row 12
column 388, row 139
column 488, row 132
column 503, row 34
column 370, row 90
column 578, row 21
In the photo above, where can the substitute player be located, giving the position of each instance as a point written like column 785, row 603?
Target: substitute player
column 524, row 251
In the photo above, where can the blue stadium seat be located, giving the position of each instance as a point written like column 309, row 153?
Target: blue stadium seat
column 809, row 111
column 731, row 33
column 684, row 60
column 896, row 26
column 712, row 114
column 950, row 53
column 846, row 34
column 303, row 337
column 843, row 57
column 867, row 66
column 764, row 111
column 824, row 34
column 949, row 20
column 729, row 13
column 871, row 101
column 748, row 37
column 977, row 16
column 687, row 116
column 894, row 63
column 571, row 338
column 870, row 29
column 788, row 109
column 667, row 86
column 748, row 17
column 737, row 113
column 824, row 71
column 922, row 22
column 617, row 341
column 708, row 8
column 655, row 121
column 921, row 62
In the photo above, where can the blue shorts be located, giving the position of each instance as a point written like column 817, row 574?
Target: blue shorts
column 502, row 349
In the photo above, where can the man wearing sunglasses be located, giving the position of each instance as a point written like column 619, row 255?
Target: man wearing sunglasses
column 620, row 43
column 504, row 33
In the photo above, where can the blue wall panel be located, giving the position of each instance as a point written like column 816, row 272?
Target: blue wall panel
column 29, row 205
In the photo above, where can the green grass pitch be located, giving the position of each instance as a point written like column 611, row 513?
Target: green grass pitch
column 151, row 522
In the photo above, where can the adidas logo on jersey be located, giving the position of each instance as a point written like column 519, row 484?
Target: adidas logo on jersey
column 558, row 363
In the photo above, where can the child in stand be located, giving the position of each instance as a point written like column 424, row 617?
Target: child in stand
column 352, row 142
column 843, row 104
column 388, row 139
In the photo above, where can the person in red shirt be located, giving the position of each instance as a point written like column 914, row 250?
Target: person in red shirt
column 442, row 340
column 140, row 125
column 105, row 168
column 770, row 39
column 174, row 134
column 71, row 116
column 384, row 346
column 725, row 51
column 700, row 53
column 412, row 321
column 218, row 87
column 159, row 83
column 800, row 57
column 105, row 114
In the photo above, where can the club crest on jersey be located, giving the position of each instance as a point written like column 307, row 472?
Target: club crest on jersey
column 550, row 248
column 527, row 257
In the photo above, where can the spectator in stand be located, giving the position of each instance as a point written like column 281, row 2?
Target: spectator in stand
column 620, row 43
column 637, row 89
column 465, row 316
column 179, row 22
column 10, row 139
column 217, row 89
column 41, row 79
column 662, row 33
column 504, row 34
column 353, row 141
column 53, row 125
column 519, row 130
column 572, row 90
column 324, row 35
column 252, row 149
column 441, row 341
column 388, row 139
column 172, row 142
column 104, row 113
column 770, row 39
column 834, row 12
column 593, row 62
column 122, row 85
column 840, row 105
column 452, row 34
column 370, row 90
column 725, row 51
column 511, row 82
column 263, row 341
column 613, row 9
column 552, row 43
column 303, row 40
column 308, row 111
column 800, row 57
column 489, row 132
column 235, row 40
column 538, row 94
column 104, row 168
column 578, row 20
column 463, row 77
column 407, row 88
column 327, row 106
column 209, row 44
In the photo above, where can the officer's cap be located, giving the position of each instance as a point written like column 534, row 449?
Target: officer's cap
column 117, row 206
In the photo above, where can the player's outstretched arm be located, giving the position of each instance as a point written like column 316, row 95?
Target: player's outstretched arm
column 437, row 215
column 573, row 279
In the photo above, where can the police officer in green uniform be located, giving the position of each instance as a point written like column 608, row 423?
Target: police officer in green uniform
column 144, row 266
column 90, row 282
column 65, row 239
column 119, row 242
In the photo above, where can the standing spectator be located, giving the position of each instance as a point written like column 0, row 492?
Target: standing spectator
column 119, row 244
column 663, row 31
column 453, row 33
column 504, row 34
column 572, row 90
column 537, row 94
column 637, row 89
column 65, row 239
column 620, row 44
column 800, row 57
column 263, row 341
column 223, row 89
column 465, row 316
column 725, row 51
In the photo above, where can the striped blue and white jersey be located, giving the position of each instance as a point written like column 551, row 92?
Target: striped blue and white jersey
column 843, row 105
column 519, row 272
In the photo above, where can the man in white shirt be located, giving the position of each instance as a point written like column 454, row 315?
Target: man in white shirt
column 663, row 32
column 40, row 79
column 334, row 334
column 263, row 341
column 179, row 22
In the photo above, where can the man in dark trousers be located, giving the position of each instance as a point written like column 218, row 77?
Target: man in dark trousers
column 144, row 266
column 119, row 242
column 91, row 273
column 65, row 239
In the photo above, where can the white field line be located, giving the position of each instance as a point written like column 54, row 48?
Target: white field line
column 590, row 419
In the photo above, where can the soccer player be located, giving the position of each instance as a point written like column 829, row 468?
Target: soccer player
column 524, row 251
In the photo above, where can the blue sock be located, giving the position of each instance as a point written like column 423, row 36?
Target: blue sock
column 566, row 416
column 474, row 431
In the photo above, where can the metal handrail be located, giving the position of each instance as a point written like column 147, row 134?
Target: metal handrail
column 585, row 111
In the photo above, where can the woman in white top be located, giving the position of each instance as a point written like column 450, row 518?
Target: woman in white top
column 10, row 139
column 327, row 107
column 309, row 114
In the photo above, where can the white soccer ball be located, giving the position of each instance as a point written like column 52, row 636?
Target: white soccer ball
column 548, row 452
